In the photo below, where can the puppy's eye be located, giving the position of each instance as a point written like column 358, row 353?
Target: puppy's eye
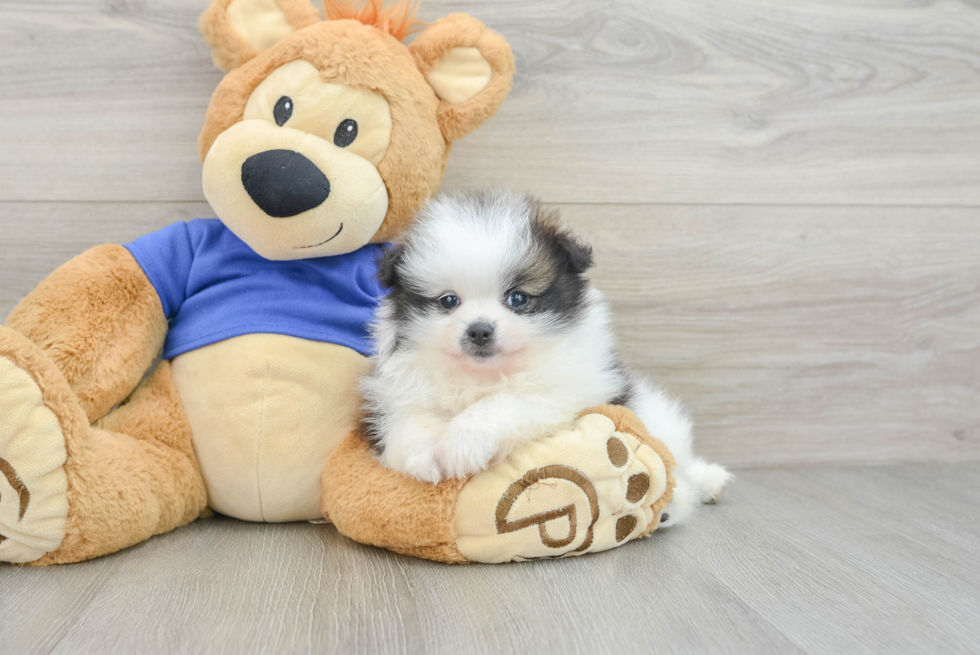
column 283, row 110
column 517, row 299
column 449, row 301
column 346, row 133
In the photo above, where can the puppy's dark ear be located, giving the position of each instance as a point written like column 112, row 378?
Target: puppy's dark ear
column 578, row 252
column 388, row 270
column 572, row 250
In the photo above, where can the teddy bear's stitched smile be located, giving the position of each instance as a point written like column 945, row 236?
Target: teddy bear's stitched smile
column 335, row 235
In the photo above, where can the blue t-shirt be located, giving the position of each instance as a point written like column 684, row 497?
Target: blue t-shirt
column 214, row 287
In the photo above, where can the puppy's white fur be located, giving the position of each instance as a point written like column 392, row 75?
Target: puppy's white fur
column 437, row 411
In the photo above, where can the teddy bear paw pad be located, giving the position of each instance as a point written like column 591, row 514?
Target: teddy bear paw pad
column 33, row 483
column 581, row 490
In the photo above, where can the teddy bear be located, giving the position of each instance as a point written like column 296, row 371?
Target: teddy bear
column 213, row 365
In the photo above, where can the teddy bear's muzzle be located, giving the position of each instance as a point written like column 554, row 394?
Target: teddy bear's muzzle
column 289, row 194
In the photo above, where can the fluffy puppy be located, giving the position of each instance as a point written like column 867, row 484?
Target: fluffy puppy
column 492, row 336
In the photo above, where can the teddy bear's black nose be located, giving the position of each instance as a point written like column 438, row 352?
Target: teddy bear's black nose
column 284, row 183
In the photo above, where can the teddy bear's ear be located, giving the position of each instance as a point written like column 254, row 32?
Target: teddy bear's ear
column 469, row 66
column 237, row 30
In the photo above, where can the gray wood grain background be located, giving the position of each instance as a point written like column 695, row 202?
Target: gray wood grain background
column 783, row 196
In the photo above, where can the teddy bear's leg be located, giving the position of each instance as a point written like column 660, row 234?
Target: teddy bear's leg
column 158, row 485
column 71, row 491
column 100, row 321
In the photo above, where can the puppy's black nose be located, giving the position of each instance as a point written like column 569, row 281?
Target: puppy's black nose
column 284, row 183
column 480, row 333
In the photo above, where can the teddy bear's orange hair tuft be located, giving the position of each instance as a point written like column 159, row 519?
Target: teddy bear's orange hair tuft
column 397, row 20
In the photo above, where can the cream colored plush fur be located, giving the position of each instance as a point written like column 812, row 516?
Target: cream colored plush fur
column 33, row 484
column 267, row 411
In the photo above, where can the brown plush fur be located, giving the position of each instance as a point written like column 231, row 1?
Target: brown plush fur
column 122, row 488
column 100, row 321
column 228, row 49
column 376, row 506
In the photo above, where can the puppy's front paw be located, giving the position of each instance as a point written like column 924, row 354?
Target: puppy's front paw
column 421, row 465
column 465, row 450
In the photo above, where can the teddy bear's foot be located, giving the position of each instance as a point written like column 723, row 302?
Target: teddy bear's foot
column 583, row 490
column 33, row 482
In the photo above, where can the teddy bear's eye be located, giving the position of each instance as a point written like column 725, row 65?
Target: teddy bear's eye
column 346, row 133
column 283, row 110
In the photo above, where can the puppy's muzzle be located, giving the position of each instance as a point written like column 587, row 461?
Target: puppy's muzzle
column 284, row 183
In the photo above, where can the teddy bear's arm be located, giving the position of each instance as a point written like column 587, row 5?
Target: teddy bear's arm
column 100, row 319
column 593, row 487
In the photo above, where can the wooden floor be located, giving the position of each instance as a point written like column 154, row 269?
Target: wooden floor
column 822, row 560
column 784, row 199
